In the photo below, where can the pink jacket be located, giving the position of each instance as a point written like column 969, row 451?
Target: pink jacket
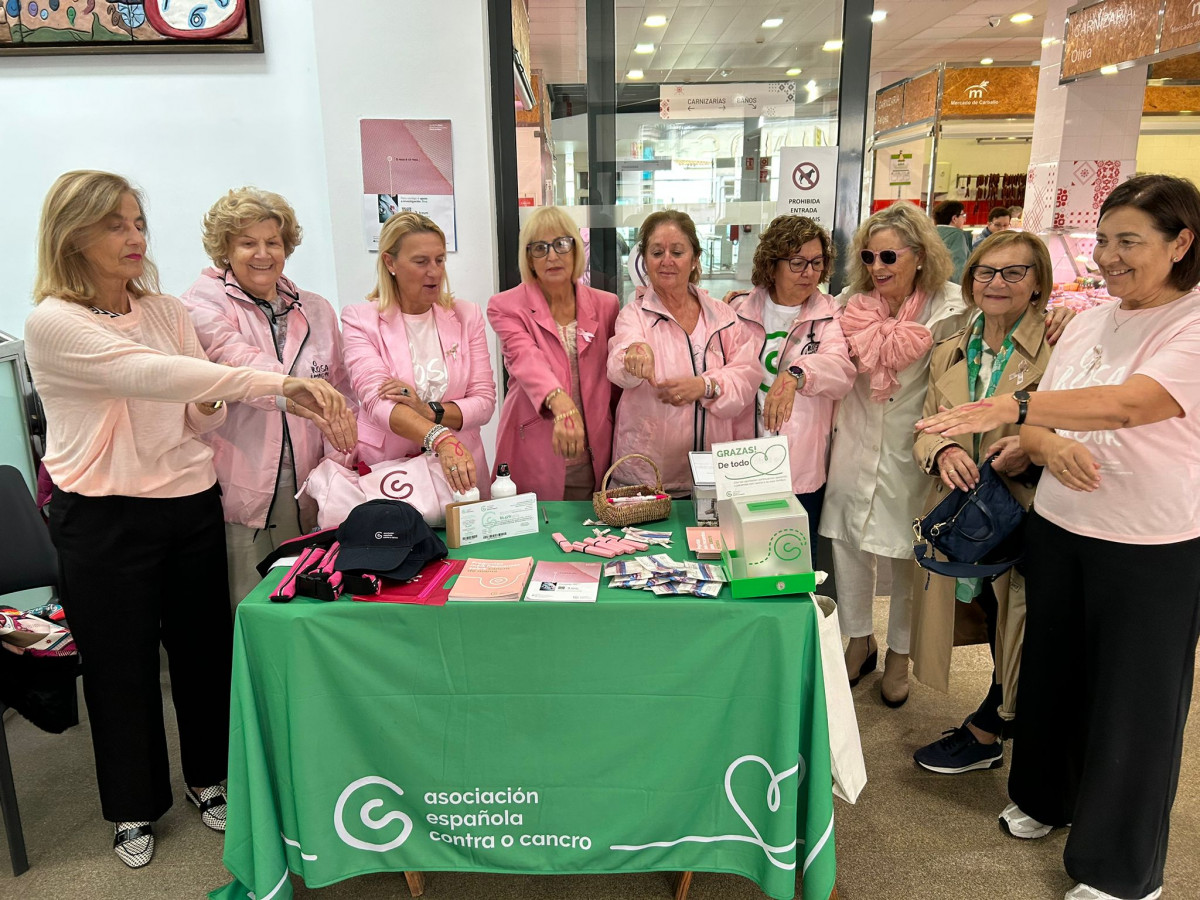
column 815, row 343
column 666, row 433
column 537, row 364
column 377, row 349
column 236, row 332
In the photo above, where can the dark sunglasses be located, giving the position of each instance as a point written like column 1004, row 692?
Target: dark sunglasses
column 887, row 257
column 561, row 246
column 1011, row 274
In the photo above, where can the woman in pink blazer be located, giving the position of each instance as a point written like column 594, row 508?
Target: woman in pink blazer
column 418, row 359
column 556, row 424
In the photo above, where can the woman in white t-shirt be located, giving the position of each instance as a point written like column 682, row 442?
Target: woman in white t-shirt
column 805, row 366
column 1113, row 559
column 418, row 359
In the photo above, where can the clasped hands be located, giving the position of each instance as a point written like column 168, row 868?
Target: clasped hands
column 639, row 362
column 322, row 404
column 958, row 470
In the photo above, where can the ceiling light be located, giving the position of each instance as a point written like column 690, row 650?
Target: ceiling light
column 986, row 61
column 644, row 48
column 772, row 23
column 635, row 75
column 655, row 21
column 879, row 15
column 831, row 46
column 1020, row 18
column 793, row 72
column 1108, row 70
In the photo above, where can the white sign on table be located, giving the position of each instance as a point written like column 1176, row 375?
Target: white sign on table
column 808, row 183
column 750, row 468
column 492, row 519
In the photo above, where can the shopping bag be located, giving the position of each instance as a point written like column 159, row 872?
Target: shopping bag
column 845, row 746
column 419, row 482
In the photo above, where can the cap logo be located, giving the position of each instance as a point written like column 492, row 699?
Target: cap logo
column 385, row 536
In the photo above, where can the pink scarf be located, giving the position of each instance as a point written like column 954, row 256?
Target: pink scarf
column 883, row 345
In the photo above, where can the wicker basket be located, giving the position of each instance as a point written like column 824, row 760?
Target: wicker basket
column 621, row 514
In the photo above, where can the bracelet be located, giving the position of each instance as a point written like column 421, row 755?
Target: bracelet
column 442, row 438
column 432, row 435
column 550, row 396
column 573, row 411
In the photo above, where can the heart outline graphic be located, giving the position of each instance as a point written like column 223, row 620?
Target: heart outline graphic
column 772, row 459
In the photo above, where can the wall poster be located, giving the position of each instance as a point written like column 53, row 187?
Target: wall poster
column 408, row 165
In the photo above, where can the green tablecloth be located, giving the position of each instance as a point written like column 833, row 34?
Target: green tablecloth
column 651, row 734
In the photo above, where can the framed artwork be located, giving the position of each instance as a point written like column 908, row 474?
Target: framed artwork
column 48, row 27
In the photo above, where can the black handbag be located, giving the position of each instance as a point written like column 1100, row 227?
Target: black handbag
column 977, row 531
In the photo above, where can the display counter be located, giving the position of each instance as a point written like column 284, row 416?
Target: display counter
column 637, row 733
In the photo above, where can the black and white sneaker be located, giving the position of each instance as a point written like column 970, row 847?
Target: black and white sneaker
column 134, row 843
column 959, row 751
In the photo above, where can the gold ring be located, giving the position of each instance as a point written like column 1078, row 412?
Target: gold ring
column 1065, row 472
column 678, row 397
column 454, row 468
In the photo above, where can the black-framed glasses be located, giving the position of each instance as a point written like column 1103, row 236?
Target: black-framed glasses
column 887, row 257
column 561, row 245
column 1011, row 274
column 798, row 264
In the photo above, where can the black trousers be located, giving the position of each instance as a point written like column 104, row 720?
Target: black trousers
column 137, row 572
column 1106, row 679
column 987, row 716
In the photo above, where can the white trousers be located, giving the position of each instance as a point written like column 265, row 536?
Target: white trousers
column 245, row 547
column 855, row 573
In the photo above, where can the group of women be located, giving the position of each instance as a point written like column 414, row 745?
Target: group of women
column 148, row 462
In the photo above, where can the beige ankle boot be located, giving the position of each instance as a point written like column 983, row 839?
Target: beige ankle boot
column 893, row 686
column 862, row 656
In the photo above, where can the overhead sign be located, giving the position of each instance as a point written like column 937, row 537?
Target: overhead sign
column 920, row 98
column 889, row 109
column 1107, row 34
column 771, row 100
column 1181, row 25
column 807, row 181
column 989, row 91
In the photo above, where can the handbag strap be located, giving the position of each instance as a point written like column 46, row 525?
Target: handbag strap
column 961, row 570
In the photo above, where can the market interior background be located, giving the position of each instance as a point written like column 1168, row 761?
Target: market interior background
column 188, row 128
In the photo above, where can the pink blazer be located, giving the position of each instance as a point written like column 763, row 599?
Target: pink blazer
column 376, row 348
column 537, row 364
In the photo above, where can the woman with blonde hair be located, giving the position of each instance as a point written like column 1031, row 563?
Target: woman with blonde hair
column 898, row 305
column 418, row 359
column 556, row 422
column 136, row 511
column 248, row 313
column 683, row 360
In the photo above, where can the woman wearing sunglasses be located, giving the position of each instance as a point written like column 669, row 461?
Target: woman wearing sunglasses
column 1002, row 349
column 557, row 420
column 899, row 305
column 805, row 365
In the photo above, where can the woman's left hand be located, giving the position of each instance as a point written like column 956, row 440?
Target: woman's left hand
column 1010, row 458
column 319, row 402
column 681, row 391
column 971, row 418
column 1056, row 321
column 777, row 408
column 457, row 464
column 404, row 393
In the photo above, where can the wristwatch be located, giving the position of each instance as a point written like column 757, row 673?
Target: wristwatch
column 1022, row 398
column 799, row 374
column 438, row 411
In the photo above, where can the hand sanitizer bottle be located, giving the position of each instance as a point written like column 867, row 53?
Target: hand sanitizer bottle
column 503, row 486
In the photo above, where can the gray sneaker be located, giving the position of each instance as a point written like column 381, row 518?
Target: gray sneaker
column 1019, row 825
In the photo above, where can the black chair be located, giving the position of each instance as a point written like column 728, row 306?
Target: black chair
column 27, row 560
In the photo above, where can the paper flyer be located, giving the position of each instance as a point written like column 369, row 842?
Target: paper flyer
column 408, row 165
column 565, row 582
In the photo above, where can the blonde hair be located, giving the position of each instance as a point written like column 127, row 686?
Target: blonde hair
column 77, row 203
column 241, row 209
column 395, row 230
column 917, row 232
column 548, row 218
column 1043, row 270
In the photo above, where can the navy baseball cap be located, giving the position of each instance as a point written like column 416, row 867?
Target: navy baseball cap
column 386, row 538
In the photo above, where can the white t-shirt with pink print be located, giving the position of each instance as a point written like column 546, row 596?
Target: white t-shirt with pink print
column 1149, row 489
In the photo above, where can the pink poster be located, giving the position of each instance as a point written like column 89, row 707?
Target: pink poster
column 408, row 165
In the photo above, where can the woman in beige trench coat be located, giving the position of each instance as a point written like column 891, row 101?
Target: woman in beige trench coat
column 1003, row 349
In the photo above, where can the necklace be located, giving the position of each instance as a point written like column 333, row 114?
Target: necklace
column 1116, row 323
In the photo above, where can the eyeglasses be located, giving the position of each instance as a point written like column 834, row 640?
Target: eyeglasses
column 887, row 257
column 798, row 264
column 561, row 245
column 1011, row 274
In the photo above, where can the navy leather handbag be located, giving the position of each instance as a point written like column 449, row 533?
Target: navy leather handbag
column 972, row 534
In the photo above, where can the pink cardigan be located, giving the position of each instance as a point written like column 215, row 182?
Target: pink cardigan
column 537, row 364
column 375, row 346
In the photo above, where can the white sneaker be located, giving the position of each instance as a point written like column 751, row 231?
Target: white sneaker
column 1083, row 891
column 1019, row 825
